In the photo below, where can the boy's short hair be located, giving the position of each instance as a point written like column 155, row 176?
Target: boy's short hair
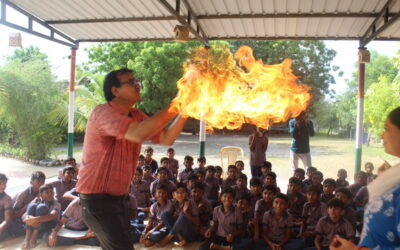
column 282, row 196
column 146, row 167
column 271, row 188
column 232, row 167
column 201, row 158
column 139, row 170
column 239, row 161
column 255, row 182
column 242, row 177
column 170, row 150
column 210, row 168
column 364, row 175
column 267, row 164
column 337, row 203
column 181, row 185
column 244, row 196
column 68, row 168
column 162, row 169
column 200, row 171
column 141, row 157
column 38, row 175
column 294, row 180
column 218, row 168
column 162, row 186
column 3, row 178
column 188, row 158
column 69, row 159
column 314, row 189
column 311, row 169
column 149, row 149
column 111, row 80
column 342, row 170
column 319, row 173
column 369, row 165
column 228, row 190
column 345, row 191
column 45, row 187
column 198, row 185
column 300, row 171
column 164, row 159
column 271, row 174
column 329, row 181
column 192, row 177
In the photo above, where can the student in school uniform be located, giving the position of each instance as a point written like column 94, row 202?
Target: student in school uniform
column 173, row 163
column 270, row 179
column 227, row 225
column 213, row 183
column 266, row 168
column 162, row 178
column 218, row 174
column 299, row 173
column 149, row 161
column 328, row 187
column 240, row 167
column 241, row 187
column 255, row 191
column 5, row 208
column 164, row 162
column 140, row 189
column 203, row 205
column 310, row 171
column 231, row 179
column 263, row 205
column 360, row 181
column 66, row 183
column 21, row 201
column 148, row 175
column 341, row 180
column 201, row 163
column 296, row 200
column 345, row 195
column 184, row 174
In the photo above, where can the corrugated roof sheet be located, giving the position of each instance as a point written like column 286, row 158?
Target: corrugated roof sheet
column 113, row 20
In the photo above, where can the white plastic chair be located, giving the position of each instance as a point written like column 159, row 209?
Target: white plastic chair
column 231, row 153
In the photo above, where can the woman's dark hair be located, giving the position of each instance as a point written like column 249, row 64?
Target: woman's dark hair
column 111, row 80
column 394, row 117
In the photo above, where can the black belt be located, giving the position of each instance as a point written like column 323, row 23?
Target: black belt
column 102, row 196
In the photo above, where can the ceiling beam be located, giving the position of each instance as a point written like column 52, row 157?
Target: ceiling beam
column 381, row 22
column 113, row 20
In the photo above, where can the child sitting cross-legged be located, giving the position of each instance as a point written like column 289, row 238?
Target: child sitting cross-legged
column 162, row 178
column 41, row 216
column 226, row 225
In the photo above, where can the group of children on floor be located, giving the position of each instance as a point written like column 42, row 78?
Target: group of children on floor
column 197, row 204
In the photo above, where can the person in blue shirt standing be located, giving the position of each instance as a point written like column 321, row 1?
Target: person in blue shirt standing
column 300, row 128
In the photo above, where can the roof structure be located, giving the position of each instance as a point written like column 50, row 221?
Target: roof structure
column 73, row 21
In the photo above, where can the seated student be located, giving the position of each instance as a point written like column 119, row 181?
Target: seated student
column 193, row 178
column 369, row 172
column 71, row 219
column 296, row 200
column 218, row 174
column 345, row 195
column 203, row 205
column 231, row 179
column 5, row 208
column 329, row 185
column 155, row 229
column 148, row 175
column 141, row 191
column 149, row 161
column 277, row 227
column 201, row 163
column 360, row 181
column 313, row 210
column 21, row 201
column 309, row 173
column 41, row 216
column 299, row 173
column 213, row 183
column 240, row 188
column 316, row 179
column 164, row 162
column 136, row 222
column 265, row 169
column 226, row 225
column 255, row 192
column 173, row 163
column 182, row 224
column 243, row 204
column 188, row 163
column 71, row 195
column 270, row 179
column 70, row 161
column 201, row 177
column 240, row 167
column 141, row 161
column 333, row 224
column 162, row 178
column 263, row 205
column 66, row 183
column 341, row 180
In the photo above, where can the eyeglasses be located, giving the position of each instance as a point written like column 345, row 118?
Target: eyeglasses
column 133, row 82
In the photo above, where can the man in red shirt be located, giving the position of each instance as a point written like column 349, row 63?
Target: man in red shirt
column 114, row 133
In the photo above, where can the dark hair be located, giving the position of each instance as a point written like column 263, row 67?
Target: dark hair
column 394, row 117
column 329, row 181
column 162, row 169
column 270, row 188
column 319, row 173
column 192, row 177
column 188, row 158
column 200, row 171
column 3, row 177
column 139, row 170
column 149, row 149
column 309, row 169
column 45, row 187
column 267, row 164
column 300, row 171
column 141, row 157
column 335, row 202
column 242, row 177
column 38, row 175
column 111, row 80
column 198, row 185
column 255, row 182
column 364, row 175
column 244, row 196
column 210, row 168
column 342, row 170
column 181, row 185
column 345, row 191
column 282, row 196
column 369, row 165
column 271, row 174
column 170, row 150
column 164, row 159
column 70, row 159
column 228, row 190
column 294, row 180
column 314, row 189
column 218, row 168
column 232, row 167
column 239, row 161
column 146, row 167
column 68, row 168
column 162, row 186
column 201, row 158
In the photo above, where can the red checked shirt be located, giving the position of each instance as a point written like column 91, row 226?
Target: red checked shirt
column 109, row 160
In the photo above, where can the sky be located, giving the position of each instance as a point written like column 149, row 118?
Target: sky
column 58, row 54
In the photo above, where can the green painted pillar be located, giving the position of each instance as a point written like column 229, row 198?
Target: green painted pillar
column 202, row 138
column 71, row 106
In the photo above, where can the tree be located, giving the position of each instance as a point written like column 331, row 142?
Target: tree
column 28, row 54
column 326, row 115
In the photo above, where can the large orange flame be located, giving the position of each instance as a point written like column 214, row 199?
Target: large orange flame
column 216, row 89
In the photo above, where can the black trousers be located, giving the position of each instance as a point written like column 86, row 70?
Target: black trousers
column 108, row 217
